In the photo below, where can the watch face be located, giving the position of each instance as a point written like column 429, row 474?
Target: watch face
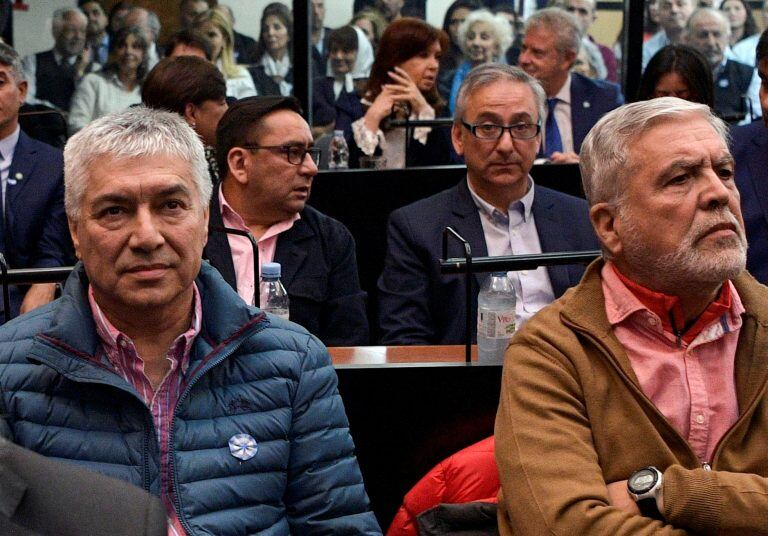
column 642, row 481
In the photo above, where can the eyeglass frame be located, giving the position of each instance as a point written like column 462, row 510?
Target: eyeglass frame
column 473, row 130
column 314, row 152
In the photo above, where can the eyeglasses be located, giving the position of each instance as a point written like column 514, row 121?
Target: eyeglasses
column 294, row 153
column 488, row 131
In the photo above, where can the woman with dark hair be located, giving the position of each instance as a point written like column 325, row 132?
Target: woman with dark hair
column 456, row 14
column 403, row 84
column 117, row 86
column 678, row 71
column 740, row 18
column 275, row 46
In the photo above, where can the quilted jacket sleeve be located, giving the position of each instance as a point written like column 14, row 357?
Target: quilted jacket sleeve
column 325, row 492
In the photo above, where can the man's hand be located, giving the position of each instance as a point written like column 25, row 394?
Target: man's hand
column 37, row 295
column 619, row 497
column 564, row 158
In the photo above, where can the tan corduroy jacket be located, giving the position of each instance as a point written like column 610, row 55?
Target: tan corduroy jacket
column 572, row 417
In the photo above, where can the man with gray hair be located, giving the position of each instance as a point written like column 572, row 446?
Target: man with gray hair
column 673, row 16
column 736, row 84
column 149, row 24
column 636, row 403
column 498, row 209
column 574, row 102
column 152, row 370
column 33, row 226
column 52, row 75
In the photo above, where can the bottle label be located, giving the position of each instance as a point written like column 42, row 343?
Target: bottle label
column 495, row 324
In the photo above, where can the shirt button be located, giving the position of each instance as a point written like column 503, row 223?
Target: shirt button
column 123, row 343
column 652, row 320
column 700, row 418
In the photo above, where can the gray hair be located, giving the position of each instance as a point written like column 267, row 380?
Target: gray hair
column 489, row 73
column 604, row 158
column 500, row 27
column 564, row 25
column 10, row 58
column 61, row 15
column 153, row 22
column 136, row 132
column 595, row 58
column 719, row 15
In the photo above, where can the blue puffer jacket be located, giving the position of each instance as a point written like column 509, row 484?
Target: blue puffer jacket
column 249, row 373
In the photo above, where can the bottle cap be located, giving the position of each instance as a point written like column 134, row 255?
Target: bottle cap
column 270, row 269
column 499, row 274
column 338, row 132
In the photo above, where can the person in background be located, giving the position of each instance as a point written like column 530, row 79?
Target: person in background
column 275, row 47
column 265, row 152
column 189, row 43
column 96, row 31
column 117, row 86
column 403, row 84
column 52, row 75
column 391, row 9
column 678, row 71
column 116, row 16
column 214, row 24
column 455, row 15
column 372, row 22
column 586, row 13
column 150, row 24
column 589, row 61
column 319, row 39
column 736, row 84
column 195, row 89
column 483, row 38
column 744, row 50
column 673, row 16
column 336, row 98
column 507, row 10
column 741, row 20
column 244, row 46
column 190, row 9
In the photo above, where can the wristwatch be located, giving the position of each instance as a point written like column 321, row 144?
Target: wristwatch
column 644, row 486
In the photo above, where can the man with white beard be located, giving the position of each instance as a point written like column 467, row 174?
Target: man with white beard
column 638, row 402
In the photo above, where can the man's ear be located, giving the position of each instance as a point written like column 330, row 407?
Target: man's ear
column 607, row 224
column 458, row 143
column 569, row 58
column 237, row 164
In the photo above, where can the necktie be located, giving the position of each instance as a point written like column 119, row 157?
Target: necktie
column 552, row 133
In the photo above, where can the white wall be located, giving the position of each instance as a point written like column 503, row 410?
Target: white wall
column 32, row 29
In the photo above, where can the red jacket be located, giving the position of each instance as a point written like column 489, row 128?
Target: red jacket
column 469, row 475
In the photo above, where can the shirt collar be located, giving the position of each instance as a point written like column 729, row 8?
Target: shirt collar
column 522, row 206
column 234, row 220
column 8, row 144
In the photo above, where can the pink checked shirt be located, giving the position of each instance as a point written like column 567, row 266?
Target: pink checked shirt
column 242, row 251
column 123, row 356
column 692, row 384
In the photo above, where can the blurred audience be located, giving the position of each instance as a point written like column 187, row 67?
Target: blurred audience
column 589, row 62
column 372, row 22
column 391, row 9
column 275, row 47
column 740, row 18
column 96, row 34
column 403, row 84
column 499, row 210
column 267, row 161
column 678, row 71
column 116, row 17
column 189, row 43
column 574, row 102
column 52, row 75
column 195, row 89
column 744, row 50
column 455, row 15
column 117, row 86
column 215, row 26
column 320, row 35
column 244, row 46
column 190, row 9
column 736, row 84
column 586, row 13
column 148, row 22
column 673, row 16
column 507, row 10
column 483, row 38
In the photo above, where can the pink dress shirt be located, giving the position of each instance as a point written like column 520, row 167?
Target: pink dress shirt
column 122, row 354
column 691, row 382
column 242, row 251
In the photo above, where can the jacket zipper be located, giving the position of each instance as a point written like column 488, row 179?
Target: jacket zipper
column 203, row 372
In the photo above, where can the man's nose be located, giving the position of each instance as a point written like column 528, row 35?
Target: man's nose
column 146, row 234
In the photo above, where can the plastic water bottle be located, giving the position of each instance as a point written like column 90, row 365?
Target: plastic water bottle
column 274, row 298
column 495, row 318
column 339, row 157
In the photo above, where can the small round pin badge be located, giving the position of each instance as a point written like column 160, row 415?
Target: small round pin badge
column 243, row 446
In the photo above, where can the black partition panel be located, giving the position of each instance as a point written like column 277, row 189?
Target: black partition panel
column 363, row 199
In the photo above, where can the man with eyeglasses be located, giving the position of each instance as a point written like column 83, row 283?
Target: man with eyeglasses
column 267, row 163
column 498, row 210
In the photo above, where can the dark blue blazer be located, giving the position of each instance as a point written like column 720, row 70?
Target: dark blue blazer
column 418, row 305
column 590, row 100
column 35, row 226
column 749, row 146
column 319, row 271
column 342, row 111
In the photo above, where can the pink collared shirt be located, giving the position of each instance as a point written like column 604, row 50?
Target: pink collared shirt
column 692, row 385
column 242, row 251
column 122, row 354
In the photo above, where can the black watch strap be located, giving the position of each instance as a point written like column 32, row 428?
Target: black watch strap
column 648, row 508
